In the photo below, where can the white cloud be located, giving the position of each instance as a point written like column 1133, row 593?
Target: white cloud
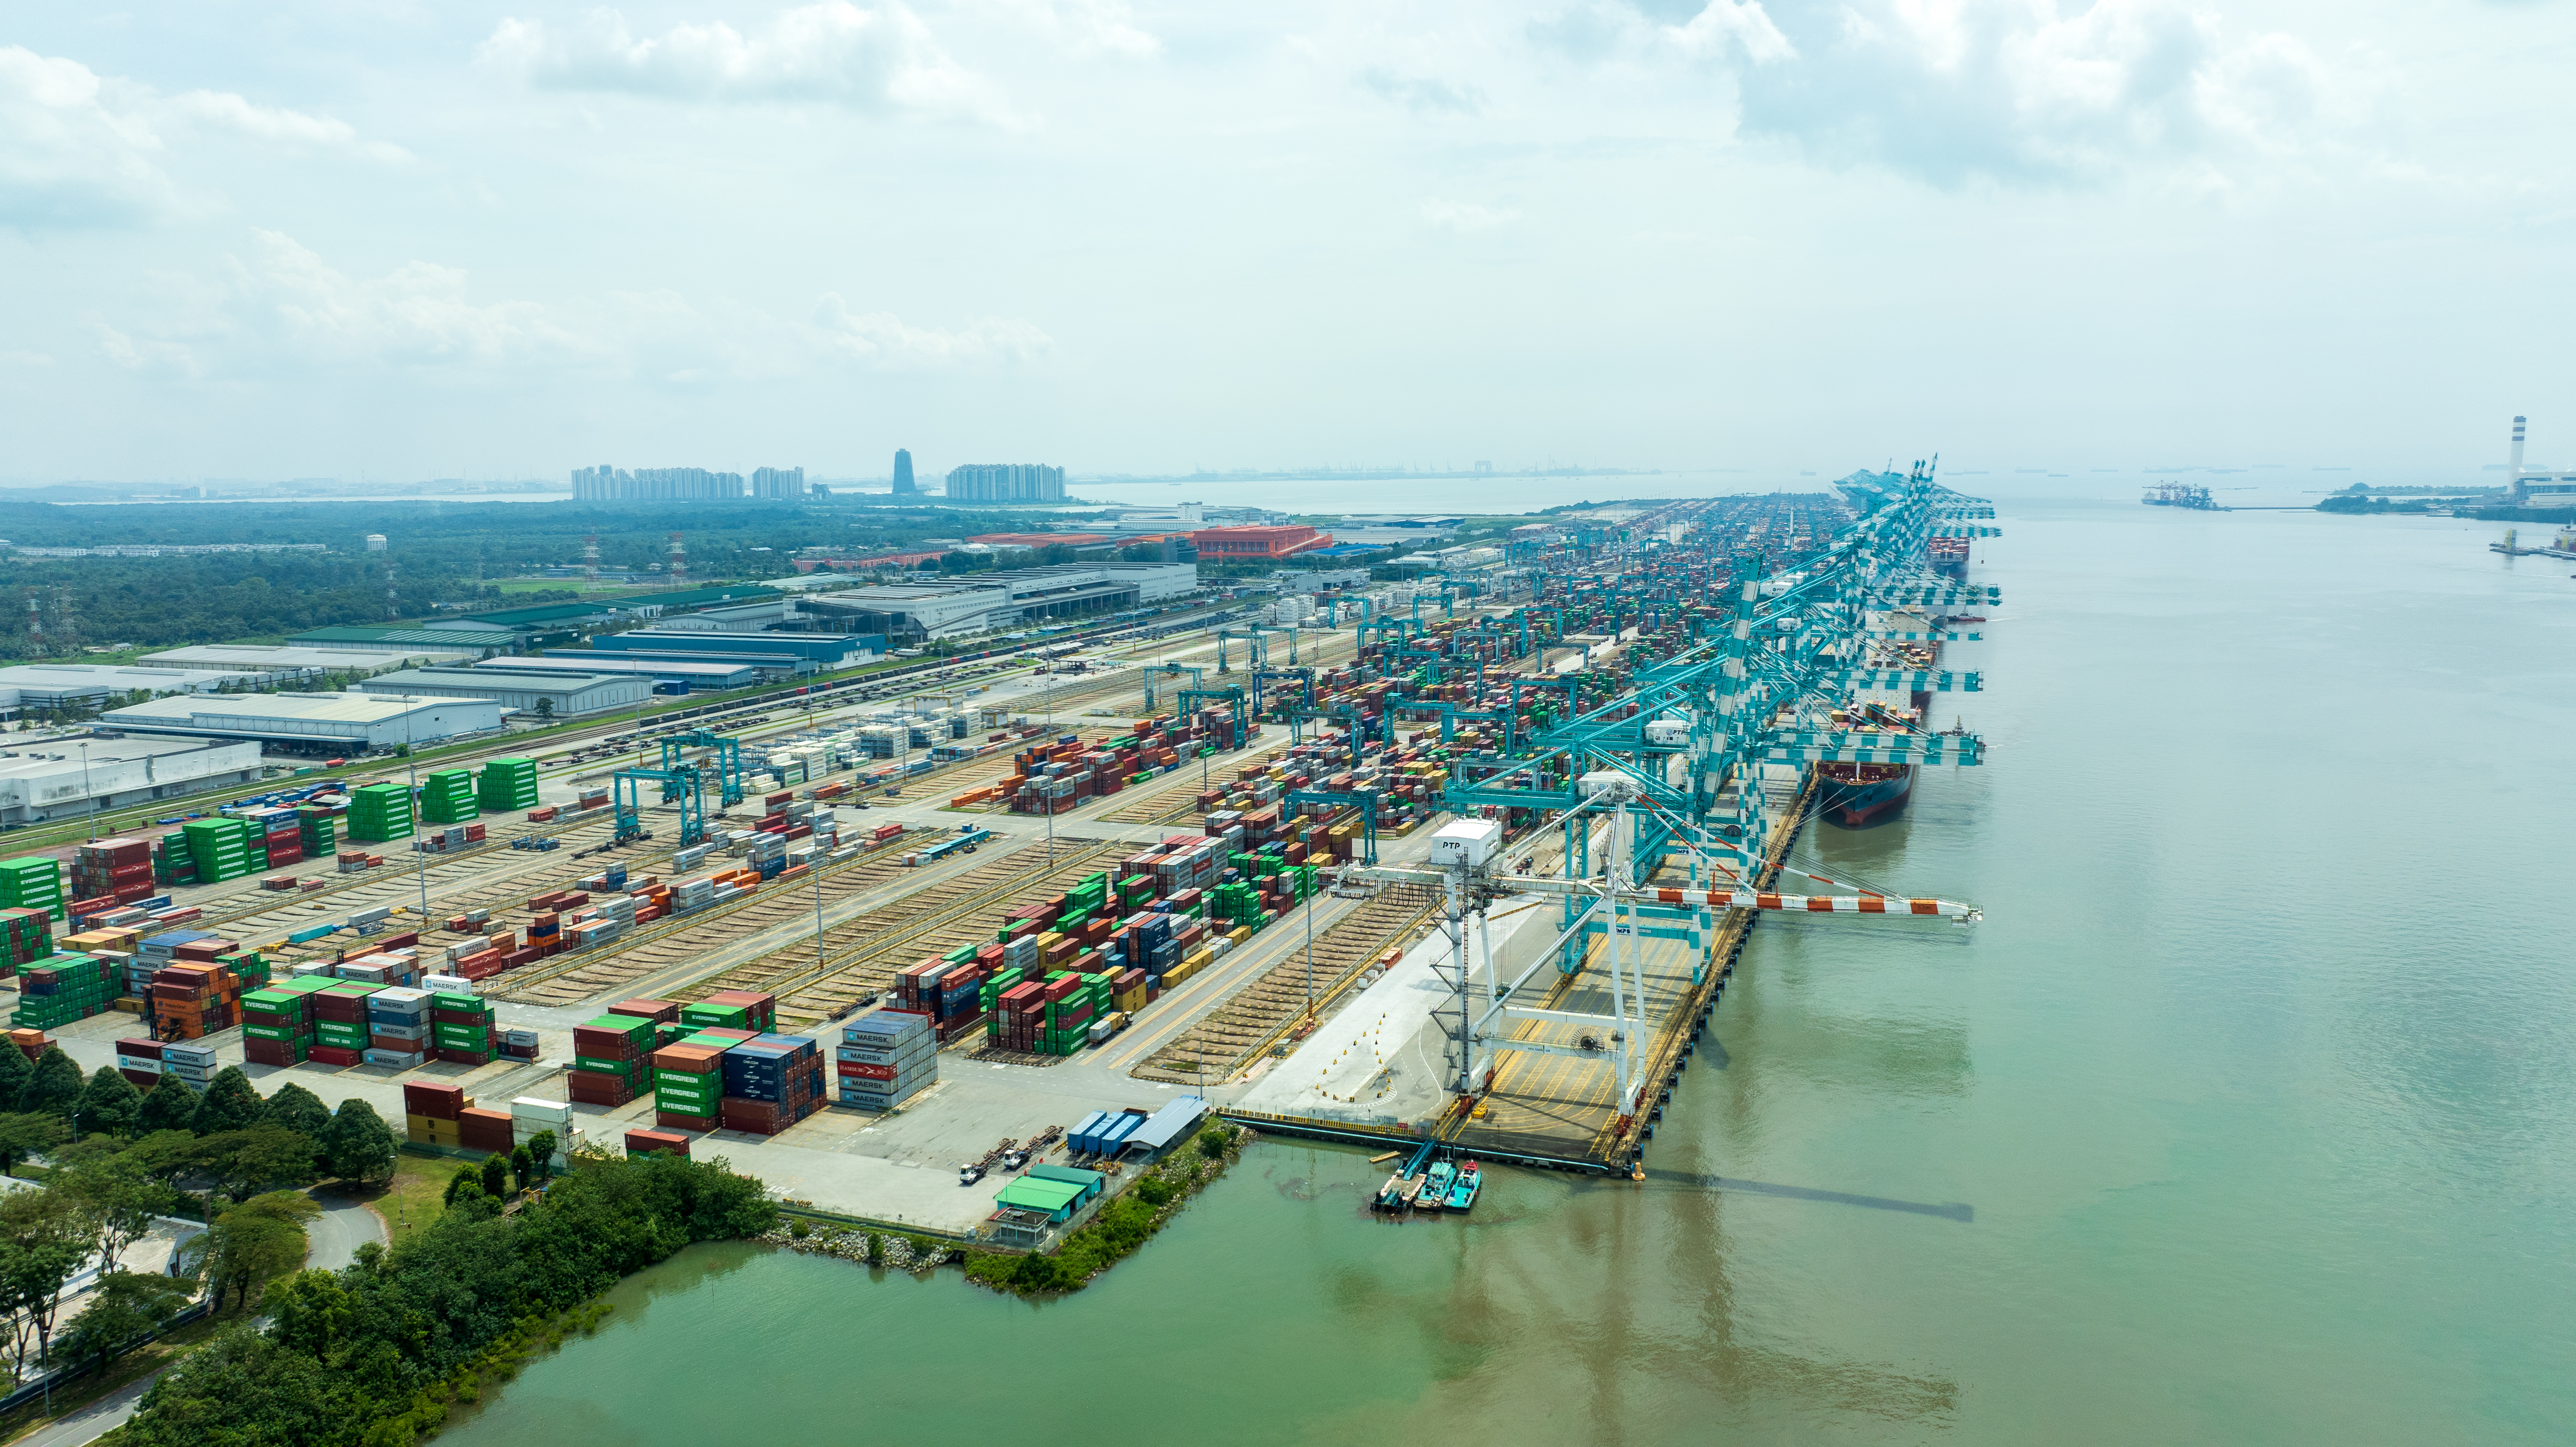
column 417, row 314
column 1083, row 27
column 892, row 344
column 1423, row 95
column 882, row 60
column 1726, row 25
column 1466, row 216
column 81, row 150
column 222, row 111
column 68, row 157
column 280, row 309
column 2016, row 90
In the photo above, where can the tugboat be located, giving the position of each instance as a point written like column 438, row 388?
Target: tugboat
column 1462, row 1192
column 1435, row 1186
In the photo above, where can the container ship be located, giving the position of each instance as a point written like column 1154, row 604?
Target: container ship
column 1858, row 795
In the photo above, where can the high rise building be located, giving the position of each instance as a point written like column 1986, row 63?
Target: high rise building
column 903, row 472
column 656, row 484
column 778, row 482
column 1006, row 482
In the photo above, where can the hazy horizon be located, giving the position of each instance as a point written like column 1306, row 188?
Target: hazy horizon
column 506, row 241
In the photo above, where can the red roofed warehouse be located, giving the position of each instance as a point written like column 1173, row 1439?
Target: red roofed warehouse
column 1217, row 545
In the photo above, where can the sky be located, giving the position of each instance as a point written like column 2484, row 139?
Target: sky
column 379, row 240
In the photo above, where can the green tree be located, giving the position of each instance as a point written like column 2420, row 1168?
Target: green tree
column 168, row 1105
column 230, row 1103
column 541, row 1153
column 523, row 1167
column 54, row 1086
column 23, row 1135
column 116, row 1198
column 496, row 1176
column 545, row 710
column 296, row 1108
column 359, row 1144
column 15, row 1067
column 262, row 1158
column 124, row 1306
column 109, row 1104
column 43, row 1240
column 247, row 1246
column 465, row 1181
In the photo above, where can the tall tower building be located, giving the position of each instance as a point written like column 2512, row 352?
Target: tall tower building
column 903, row 472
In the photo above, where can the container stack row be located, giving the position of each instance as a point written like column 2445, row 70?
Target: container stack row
column 379, row 813
column 113, row 869
column 507, row 784
column 885, row 1058
column 32, row 883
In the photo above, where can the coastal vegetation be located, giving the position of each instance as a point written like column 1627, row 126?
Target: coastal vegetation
column 373, row 1355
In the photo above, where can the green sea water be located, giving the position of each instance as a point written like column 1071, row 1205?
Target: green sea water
column 2247, row 1116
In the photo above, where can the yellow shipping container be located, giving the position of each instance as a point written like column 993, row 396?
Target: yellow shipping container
column 1240, row 933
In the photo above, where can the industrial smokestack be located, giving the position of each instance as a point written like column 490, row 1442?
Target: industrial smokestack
column 2513, row 466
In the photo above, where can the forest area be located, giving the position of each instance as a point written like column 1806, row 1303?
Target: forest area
column 437, row 556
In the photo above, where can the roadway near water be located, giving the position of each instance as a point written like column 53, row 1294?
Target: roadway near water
column 2248, row 1114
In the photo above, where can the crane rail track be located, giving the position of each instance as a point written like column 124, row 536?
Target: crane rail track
column 1258, row 1012
column 927, row 922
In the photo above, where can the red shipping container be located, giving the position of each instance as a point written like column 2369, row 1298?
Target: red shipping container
column 669, row 1121
column 334, row 1055
column 852, row 1068
column 660, row 1012
column 591, row 1087
column 657, row 1140
column 432, row 1098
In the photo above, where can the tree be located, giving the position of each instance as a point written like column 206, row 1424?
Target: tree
column 359, row 1144
column 541, row 1153
column 124, row 1306
column 264, row 1157
column 54, row 1086
column 297, row 1109
column 42, row 1242
column 546, row 710
column 15, row 1067
column 109, row 1104
column 168, row 1105
column 26, row 1135
column 496, row 1176
column 245, row 1247
column 523, row 1167
column 116, row 1198
column 467, row 1181
column 230, row 1103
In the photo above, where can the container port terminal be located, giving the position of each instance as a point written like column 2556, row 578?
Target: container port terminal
column 1458, row 868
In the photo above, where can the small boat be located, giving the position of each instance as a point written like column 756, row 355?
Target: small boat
column 1435, row 1186
column 1462, row 1192
column 1390, row 1197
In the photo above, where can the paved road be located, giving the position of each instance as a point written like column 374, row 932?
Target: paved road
column 331, row 1241
column 99, row 1417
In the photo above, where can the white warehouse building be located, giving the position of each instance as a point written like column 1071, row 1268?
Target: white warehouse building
column 517, row 689
column 314, row 723
column 66, row 778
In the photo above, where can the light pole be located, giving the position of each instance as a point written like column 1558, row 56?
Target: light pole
column 411, row 802
column 86, row 790
column 1053, row 790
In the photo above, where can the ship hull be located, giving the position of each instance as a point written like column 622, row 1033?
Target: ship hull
column 1867, row 794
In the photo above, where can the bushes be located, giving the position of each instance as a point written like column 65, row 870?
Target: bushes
column 367, row 1356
